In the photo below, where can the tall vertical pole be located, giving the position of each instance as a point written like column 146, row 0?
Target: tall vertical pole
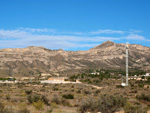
column 127, row 64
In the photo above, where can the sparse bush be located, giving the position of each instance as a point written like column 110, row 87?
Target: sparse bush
column 54, row 105
column 131, row 108
column 20, row 85
column 56, row 99
column 66, row 80
column 45, row 100
column 72, row 86
column 7, row 97
column 65, row 102
column 28, row 92
column 1, row 107
column 87, row 92
column 145, row 97
column 134, row 91
column 132, row 83
column 29, row 98
column 143, row 77
column 39, row 104
column 35, row 98
column 49, row 110
column 97, row 91
column 148, row 80
column 24, row 110
column 87, row 105
column 68, row 96
column 42, row 90
column 119, row 86
column 106, row 103
column 5, row 110
column 141, row 85
column 55, row 88
column 79, row 91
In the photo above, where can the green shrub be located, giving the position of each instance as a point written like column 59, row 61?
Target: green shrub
column 68, row 96
column 143, row 77
column 28, row 92
column 119, row 86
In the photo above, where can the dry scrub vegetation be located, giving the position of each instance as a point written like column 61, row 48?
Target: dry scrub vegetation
column 74, row 98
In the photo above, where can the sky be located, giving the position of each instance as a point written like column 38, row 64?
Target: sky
column 73, row 24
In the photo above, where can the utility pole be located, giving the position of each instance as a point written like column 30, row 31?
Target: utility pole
column 127, row 64
column 126, row 78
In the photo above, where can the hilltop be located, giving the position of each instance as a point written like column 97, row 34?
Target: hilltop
column 34, row 60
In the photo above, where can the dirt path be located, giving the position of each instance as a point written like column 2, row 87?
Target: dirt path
column 97, row 87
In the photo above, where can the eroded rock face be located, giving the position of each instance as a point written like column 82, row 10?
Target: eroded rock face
column 34, row 60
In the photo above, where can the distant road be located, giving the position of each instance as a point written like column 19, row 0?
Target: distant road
column 97, row 87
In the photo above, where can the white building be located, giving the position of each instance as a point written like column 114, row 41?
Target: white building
column 95, row 73
column 58, row 80
column 147, row 74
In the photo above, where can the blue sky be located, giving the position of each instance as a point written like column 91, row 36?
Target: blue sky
column 73, row 24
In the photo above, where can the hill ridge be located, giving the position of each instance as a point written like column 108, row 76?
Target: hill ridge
column 23, row 62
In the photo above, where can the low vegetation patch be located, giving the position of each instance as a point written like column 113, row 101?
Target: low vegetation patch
column 35, row 98
column 105, row 103
column 68, row 96
column 145, row 97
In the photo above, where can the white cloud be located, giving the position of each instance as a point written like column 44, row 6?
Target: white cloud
column 27, row 37
column 107, row 32
column 52, row 39
column 38, row 30
column 134, row 37
column 12, row 33
column 132, row 31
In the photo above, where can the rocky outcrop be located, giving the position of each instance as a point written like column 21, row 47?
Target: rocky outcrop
column 35, row 60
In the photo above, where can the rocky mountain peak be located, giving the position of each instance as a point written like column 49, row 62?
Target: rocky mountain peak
column 105, row 45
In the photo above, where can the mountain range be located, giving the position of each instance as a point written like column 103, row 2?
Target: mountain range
column 34, row 60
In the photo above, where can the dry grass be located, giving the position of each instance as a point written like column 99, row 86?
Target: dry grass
column 52, row 96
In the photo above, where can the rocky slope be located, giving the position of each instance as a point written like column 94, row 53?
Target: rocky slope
column 34, row 60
